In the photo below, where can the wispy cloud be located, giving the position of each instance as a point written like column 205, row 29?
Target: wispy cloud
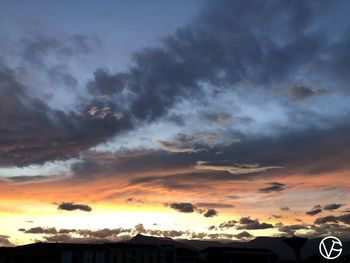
column 233, row 168
column 273, row 187
column 314, row 211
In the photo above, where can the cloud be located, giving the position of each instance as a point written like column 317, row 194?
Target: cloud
column 326, row 219
column 63, row 135
column 273, row 187
column 331, row 229
column 244, row 235
column 102, row 233
column 80, row 235
column 190, row 144
column 250, row 224
column 314, row 211
column 345, row 218
column 228, row 224
column 132, row 200
column 236, row 169
column 104, row 112
column 331, row 207
column 291, row 229
column 301, row 93
column 5, row 242
column 223, row 118
column 212, row 228
column 198, row 53
column 284, row 208
column 190, row 208
column 23, row 179
column 198, row 57
column 276, row 216
column 183, row 207
column 210, row 213
column 178, row 149
column 215, row 205
column 185, row 180
column 246, row 223
column 116, row 234
column 70, row 206
column 36, row 47
column 195, row 54
column 39, row 230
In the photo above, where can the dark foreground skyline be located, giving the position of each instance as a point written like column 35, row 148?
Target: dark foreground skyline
column 142, row 248
column 214, row 120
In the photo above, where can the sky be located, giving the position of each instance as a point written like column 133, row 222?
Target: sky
column 220, row 120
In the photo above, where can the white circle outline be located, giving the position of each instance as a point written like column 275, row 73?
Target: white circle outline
column 338, row 242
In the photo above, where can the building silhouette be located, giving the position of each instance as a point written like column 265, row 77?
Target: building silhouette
column 237, row 255
column 124, row 252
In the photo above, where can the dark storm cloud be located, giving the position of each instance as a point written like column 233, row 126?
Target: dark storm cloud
column 206, row 51
column 252, row 224
column 220, row 118
column 331, row 207
column 210, row 213
column 183, row 207
column 62, row 135
column 230, row 42
column 36, row 48
column 300, row 93
column 314, row 211
column 69, row 206
column 59, row 74
column 309, row 152
column 273, row 187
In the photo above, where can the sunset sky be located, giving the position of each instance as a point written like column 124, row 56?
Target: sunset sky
column 186, row 119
